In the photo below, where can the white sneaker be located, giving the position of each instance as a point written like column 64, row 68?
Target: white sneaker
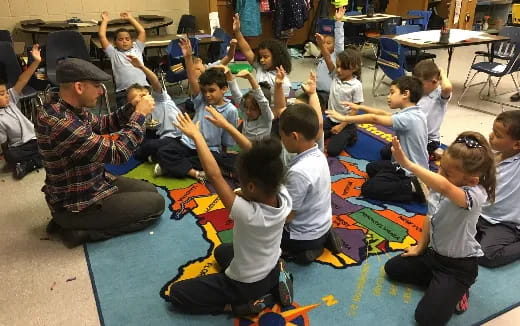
column 150, row 159
column 157, row 171
column 201, row 176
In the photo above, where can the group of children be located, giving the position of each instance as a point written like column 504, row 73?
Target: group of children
column 283, row 206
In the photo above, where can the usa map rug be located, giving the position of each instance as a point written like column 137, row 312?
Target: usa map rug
column 129, row 273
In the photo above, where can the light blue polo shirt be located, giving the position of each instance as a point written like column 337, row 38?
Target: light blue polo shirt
column 215, row 137
column 14, row 126
column 344, row 91
column 507, row 194
column 323, row 76
column 308, row 183
column 411, row 129
column 453, row 228
column 165, row 112
column 434, row 107
column 124, row 73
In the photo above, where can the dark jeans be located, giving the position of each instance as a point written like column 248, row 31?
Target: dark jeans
column 387, row 181
column 292, row 247
column 337, row 142
column 323, row 96
column 27, row 152
column 445, row 279
column 500, row 243
column 176, row 159
column 150, row 147
column 135, row 205
column 210, row 293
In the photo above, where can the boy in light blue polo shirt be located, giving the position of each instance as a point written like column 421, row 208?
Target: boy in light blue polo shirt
column 499, row 224
column 179, row 158
column 387, row 180
column 437, row 93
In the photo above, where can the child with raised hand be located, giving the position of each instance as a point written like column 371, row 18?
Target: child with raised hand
column 386, row 179
column 200, row 67
column 271, row 54
column 21, row 152
column 330, row 46
column 162, row 117
column 254, row 106
column 498, row 229
column 125, row 74
column 345, row 87
column 250, row 266
column 445, row 259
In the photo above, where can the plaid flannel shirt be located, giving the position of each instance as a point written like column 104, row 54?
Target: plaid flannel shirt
column 74, row 151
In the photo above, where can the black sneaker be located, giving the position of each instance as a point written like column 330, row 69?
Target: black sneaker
column 20, row 170
column 307, row 256
column 515, row 97
column 285, row 285
column 74, row 238
column 254, row 307
column 53, row 227
column 333, row 242
column 421, row 192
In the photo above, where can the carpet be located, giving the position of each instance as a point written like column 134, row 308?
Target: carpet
column 129, row 273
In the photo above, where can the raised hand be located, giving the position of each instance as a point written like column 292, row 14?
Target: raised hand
column 236, row 23
column 186, row 125
column 233, row 43
column 185, row 45
column 340, row 12
column 320, row 39
column 398, row 153
column 125, row 15
column 36, row 53
column 145, row 105
column 104, row 15
column 310, row 85
column 243, row 73
column 216, row 117
column 280, row 75
column 135, row 61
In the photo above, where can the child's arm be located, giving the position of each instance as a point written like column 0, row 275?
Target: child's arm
column 220, row 121
column 25, row 76
column 339, row 32
column 210, row 166
column 187, row 52
column 320, row 39
column 242, row 42
column 279, row 94
column 310, row 88
column 446, row 87
column 367, row 109
column 433, row 180
column 379, row 117
column 102, row 33
column 141, row 32
column 150, row 75
column 422, row 244
column 230, row 53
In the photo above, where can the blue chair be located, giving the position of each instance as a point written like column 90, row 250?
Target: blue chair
column 390, row 60
column 412, row 59
column 423, row 22
column 326, row 26
column 174, row 57
column 497, row 70
column 219, row 50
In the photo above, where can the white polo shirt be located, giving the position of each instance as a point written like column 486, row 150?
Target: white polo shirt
column 344, row 91
column 257, row 235
column 507, row 194
column 14, row 126
column 269, row 77
column 308, row 183
column 434, row 107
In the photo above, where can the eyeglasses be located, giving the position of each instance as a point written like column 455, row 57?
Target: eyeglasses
column 470, row 142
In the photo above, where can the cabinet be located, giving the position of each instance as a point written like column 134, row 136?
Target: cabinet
column 497, row 11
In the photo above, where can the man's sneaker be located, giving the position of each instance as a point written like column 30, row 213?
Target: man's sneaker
column 20, row 170
column 53, row 227
column 201, row 176
column 157, row 171
column 420, row 190
column 254, row 307
column 285, row 285
column 307, row 256
column 333, row 242
column 463, row 303
column 73, row 238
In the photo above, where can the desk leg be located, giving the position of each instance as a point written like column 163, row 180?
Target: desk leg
column 450, row 53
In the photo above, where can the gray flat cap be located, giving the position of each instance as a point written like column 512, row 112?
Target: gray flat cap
column 74, row 69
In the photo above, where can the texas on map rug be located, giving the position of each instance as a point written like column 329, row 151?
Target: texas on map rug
column 129, row 273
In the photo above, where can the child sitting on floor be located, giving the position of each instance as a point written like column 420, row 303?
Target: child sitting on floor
column 445, row 259
column 387, row 180
column 499, row 224
column 251, row 269
column 15, row 129
column 179, row 158
column 124, row 73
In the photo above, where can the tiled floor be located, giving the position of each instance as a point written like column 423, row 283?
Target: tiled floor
column 34, row 270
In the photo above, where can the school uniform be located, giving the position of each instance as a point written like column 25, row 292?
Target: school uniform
column 308, row 182
column 165, row 112
column 450, row 266
column 269, row 77
column 499, row 224
column 342, row 91
column 387, row 180
column 178, row 157
column 434, row 106
column 125, row 74
column 324, row 77
column 250, row 265
column 18, row 132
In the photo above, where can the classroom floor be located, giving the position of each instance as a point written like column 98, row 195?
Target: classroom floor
column 34, row 269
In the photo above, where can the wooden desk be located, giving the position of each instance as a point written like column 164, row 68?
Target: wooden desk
column 93, row 30
column 490, row 39
column 364, row 19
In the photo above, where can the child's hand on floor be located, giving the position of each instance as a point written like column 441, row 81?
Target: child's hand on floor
column 36, row 53
column 187, row 126
column 185, row 45
column 398, row 154
column 236, row 23
column 104, row 15
column 135, row 61
column 280, row 75
column 336, row 115
column 340, row 12
column 310, row 85
column 216, row 117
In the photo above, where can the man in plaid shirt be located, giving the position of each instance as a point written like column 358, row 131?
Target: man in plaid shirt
column 87, row 203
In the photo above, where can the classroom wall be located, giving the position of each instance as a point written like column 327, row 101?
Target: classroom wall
column 13, row 11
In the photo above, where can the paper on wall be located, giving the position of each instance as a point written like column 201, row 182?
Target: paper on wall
column 214, row 21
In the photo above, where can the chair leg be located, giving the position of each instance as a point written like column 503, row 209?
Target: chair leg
column 466, row 88
column 469, row 71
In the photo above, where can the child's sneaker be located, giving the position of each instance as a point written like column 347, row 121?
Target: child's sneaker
column 255, row 307
column 463, row 303
column 333, row 242
column 285, row 285
column 157, row 171
column 201, row 176
column 150, row 158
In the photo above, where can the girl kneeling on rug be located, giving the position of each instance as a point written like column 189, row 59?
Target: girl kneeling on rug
column 251, row 269
column 448, row 266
